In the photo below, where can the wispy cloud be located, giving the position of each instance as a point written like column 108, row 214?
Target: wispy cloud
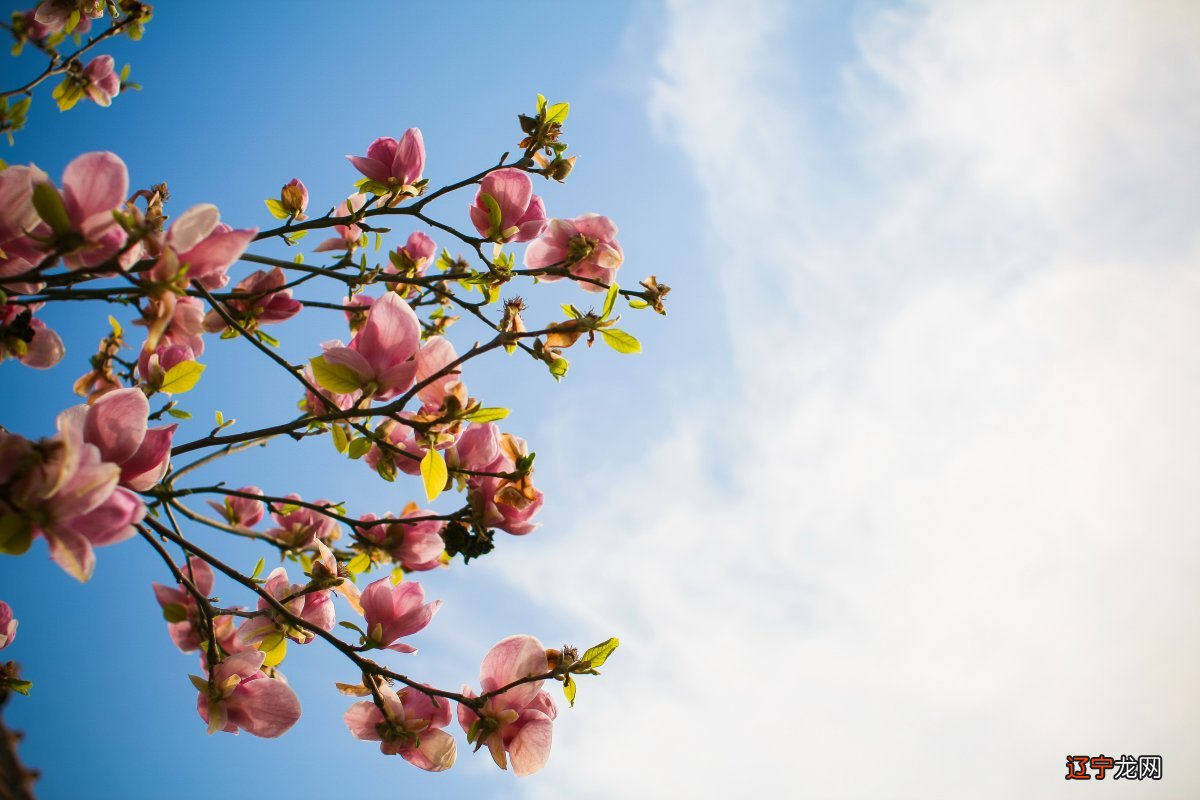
column 953, row 535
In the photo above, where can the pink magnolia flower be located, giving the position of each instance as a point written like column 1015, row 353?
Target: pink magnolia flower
column 84, row 229
column 101, row 83
column 268, row 303
column 312, row 607
column 173, row 320
column 63, row 490
column 418, row 546
column 116, row 425
column 501, row 503
column 56, row 14
column 240, row 695
column 414, row 258
column 294, row 198
column 586, row 245
column 184, row 623
column 395, row 611
column 207, row 246
column 434, row 356
column 302, row 527
column 347, row 235
column 18, row 217
column 521, row 213
column 409, row 725
column 8, row 632
column 382, row 352
column 27, row 339
column 241, row 512
column 394, row 164
column 402, row 439
column 518, row 722
column 152, row 366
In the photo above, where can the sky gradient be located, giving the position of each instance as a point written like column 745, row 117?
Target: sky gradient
column 897, row 502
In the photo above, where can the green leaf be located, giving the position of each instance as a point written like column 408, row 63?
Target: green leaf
column 378, row 241
column 276, row 208
column 258, row 568
column 433, row 473
column 486, row 414
column 334, row 377
column 359, row 447
column 16, row 534
column 295, row 236
column 353, row 627
column 609, row 300
column 569, row 687
column 116, row 326
column 339, row 438
column 19, row 686
column 220, row 418
column 620, row 341
column 275, row 647
column 557, row 113
column 179, row 413
column 541, row 102
column 181, row 377
column 174, row 612
column 49, row 205
column 558, row 368
column 595, row 656
column 571, row 311
column 495, row 217
column 635, row 303
column 360, row 563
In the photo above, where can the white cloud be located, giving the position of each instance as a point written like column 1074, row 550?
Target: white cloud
column 954, row 538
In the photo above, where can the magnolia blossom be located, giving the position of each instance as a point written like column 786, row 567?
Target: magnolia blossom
column 241, row 512
column 117, row 425
column 101, row 84
column 153, row 366
column 418, row 546
column 267, row 302
column 382, row 352
column 395, row 611
column 436, row 355
column 587, row 246
column 184, row 623
column 315, row 608
column 521, row 213
column 19, row 254
column 239, row 694
column 80, row 221
column 206, row 246
column 414, row 257
column 408, row 725
column 293, row 198
column 8, row 632
column 27, row 339
column 347, row 235
column 173, row 320
column 518, row 722
column 60, row 488
column 507, row 504
column 395, row 164
column 56, row 14
column 401, row 440
column 301, row 527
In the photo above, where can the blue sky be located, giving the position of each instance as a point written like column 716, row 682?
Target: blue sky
column 900, row 487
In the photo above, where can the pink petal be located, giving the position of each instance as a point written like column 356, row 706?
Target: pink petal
column 73, row 552
column 45, row 350
column 510, row 659
column 110, row 522
column 436, row 353
column 193, row 226
column 150, row 462
column 383, row 150
column 436, row 752
column 543, row 253
column 531, row 747
column 391, row 334
column 264, row 707
column 409, row 161
column 361, row 719
column 512, row 190
column 116, row 424
column 596, row 226
column 375, row 170
column 94, row 183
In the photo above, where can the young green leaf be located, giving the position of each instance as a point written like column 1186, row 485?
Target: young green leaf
column 609, row 300
column 339, row 438
column 334, row 377
column 620, row 341
column 486, row 415
column 49, row 205
column 359, row 447
column 182, row 377
column 276, row 208
column 433, row 473
column 360, row 563
column 595, row 656
column 569, row 687
column 258, row 568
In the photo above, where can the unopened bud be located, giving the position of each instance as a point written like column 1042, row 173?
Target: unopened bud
column 560, row 168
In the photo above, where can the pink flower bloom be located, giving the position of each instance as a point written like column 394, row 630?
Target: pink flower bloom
column 187, row 631
column 173, row 320
column 302, row 527
column 586, row 245
column 409, row 725
column 347, row 235
column 101, row 83
column 386, row 461
column 414, row 257
column 240, row 695
column 394, row 163
column 116, row 425
column 434, row 356
column 418, row 546
column 395, row 611
column 312, row 607
column 357, row 316
column 56, row 14
column 521, row 213
column 241, row 512
column 93, row 186
column 8, row 632
column 518, row 722
column 63, row 490
column 382, row 352
column 206, row 245
column 501, row 503
column 28, row 339
column 269, row 303
column 152, row 366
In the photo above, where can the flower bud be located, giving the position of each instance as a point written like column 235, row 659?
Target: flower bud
column 294, row 198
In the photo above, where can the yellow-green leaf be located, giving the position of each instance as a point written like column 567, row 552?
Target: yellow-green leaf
column 49, row 205
column 620, row 341
column 595, row 656
column 569, row 687
column 339, row 438
column 334, row 377
column 275, row 648
column 359, row 564
column 486, row 414
column 557, row 113
column 609, row 300
column 16, row 534
column 433, row 473
column 182, row 377
column 276, row 208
